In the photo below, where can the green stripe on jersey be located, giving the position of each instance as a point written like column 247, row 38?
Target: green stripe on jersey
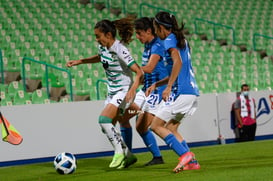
column 130, row 64
column 113, row 53
column 115, row 86
column 115, row 60
column 106, row 58
column 114, row 93
column 113, row 75
column 115, row 80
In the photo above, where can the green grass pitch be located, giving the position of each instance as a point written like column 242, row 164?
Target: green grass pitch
column 241, row 161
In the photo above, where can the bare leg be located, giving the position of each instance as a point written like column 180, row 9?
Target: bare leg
column 143, row 122
column 173, row 126
column 158, row 126
column 132, row 111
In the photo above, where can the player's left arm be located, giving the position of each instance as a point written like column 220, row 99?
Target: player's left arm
column 177, row 65
column 127, row 58
column 137, row 81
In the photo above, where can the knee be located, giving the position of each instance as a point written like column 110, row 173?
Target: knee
column 157, row 125
column 171, row 128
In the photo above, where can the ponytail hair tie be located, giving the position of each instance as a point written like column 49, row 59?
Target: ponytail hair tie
column 163, row 23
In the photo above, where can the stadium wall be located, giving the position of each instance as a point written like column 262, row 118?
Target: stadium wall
column 49, row 129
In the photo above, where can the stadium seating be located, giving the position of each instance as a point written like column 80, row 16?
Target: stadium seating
column 14, row 87
column 39, row 96
column 57, row 31
column 21, row 97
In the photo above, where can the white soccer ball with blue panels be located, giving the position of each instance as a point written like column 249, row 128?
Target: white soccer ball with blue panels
column 65, row 163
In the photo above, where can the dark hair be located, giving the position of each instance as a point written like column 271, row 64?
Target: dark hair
column 169, row 22
column 145, row 23
column 244, row 85
column 124, row 27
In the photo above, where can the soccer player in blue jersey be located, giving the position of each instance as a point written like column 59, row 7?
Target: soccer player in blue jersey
column 118, row 65
column 154, row 70
column 181, row 92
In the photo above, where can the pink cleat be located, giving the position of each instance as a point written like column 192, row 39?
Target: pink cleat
column 183, row 161
column 192, row 165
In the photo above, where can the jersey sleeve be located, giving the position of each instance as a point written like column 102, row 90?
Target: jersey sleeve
column 126, row 56
column 100, row 49
column 170, row 42
column 158, row 49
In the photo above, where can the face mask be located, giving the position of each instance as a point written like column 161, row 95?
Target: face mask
column 245, row 93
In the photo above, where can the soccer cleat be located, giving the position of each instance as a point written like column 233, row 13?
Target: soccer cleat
column 127, row 162
column 183, row 160
column 122, row 165
column 192, row 165
column 130, row 160
column 155, row 161
column 117, row 160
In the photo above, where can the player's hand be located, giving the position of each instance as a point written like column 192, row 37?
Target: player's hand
column 130, row 97
column 166, row 93
column 72, row 63
column 149, row 90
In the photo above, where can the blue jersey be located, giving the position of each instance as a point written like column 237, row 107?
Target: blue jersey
column 185, row 82
column 159, row 72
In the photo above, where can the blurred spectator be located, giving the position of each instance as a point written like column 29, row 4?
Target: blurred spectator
column 245, row 115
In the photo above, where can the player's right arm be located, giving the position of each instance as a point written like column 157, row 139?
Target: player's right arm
column 93, row 59
column 151, row 64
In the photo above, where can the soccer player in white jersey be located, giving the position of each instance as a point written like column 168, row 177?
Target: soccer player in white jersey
column 119, row 65
column 180, row 94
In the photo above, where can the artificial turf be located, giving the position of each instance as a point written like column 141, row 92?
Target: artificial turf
column 240, row 161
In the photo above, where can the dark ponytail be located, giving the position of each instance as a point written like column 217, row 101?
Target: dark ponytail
column 170, row 23
column 124, row 27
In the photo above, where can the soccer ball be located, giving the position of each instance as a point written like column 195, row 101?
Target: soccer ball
column 65, row 163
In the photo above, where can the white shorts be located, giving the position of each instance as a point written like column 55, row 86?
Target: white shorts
column 140, row 98
column 118, row 99
column 148, row 104
column 176, row 110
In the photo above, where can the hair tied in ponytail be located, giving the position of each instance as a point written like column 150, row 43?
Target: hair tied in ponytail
column 168, row 25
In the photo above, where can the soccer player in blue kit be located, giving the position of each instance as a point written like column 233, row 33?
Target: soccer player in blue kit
column 181, row 92
column 145, row 107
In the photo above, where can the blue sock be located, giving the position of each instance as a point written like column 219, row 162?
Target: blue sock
column 174, row 144
column 184, row 143
column 150, row 143
column 127, row 136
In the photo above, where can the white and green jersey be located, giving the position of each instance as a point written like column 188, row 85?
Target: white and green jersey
column 116, row 62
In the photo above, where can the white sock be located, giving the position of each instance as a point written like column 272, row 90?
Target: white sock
column 114, row 137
